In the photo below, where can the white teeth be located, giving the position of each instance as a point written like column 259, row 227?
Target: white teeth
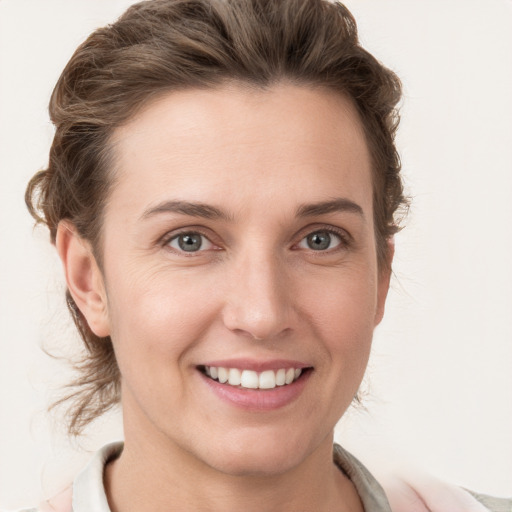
column 250, row 379
column 223, row 374
column 267, row 380
column 235, row 377
column 281, row 377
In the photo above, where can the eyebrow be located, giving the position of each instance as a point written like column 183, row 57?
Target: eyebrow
column 339, row 204
column 192, row 209
column 207, row 211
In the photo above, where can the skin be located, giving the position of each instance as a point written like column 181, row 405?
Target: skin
column 255, row 290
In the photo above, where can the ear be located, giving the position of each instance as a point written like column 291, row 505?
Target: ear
column 384, row 278
column 83, row 277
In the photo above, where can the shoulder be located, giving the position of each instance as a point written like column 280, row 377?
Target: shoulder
column 59, row 503
column 86, row 493
column 22, row 510
column 493, row 503
column 413, row 491
column 423, row 493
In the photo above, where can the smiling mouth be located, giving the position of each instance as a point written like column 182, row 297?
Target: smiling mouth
column 249, row 379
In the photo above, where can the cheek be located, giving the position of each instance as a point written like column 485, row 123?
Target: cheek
column 342, row 312
column 157, row 316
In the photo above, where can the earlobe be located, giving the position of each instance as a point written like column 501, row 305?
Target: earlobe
column 83, row 277
column 384, row 280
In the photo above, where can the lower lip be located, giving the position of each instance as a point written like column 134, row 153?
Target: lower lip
column 258, row 399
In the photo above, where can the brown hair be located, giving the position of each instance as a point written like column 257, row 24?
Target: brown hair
column 166, row 45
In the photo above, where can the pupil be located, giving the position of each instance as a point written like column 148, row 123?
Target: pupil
column 190, row 243
column 319, row 241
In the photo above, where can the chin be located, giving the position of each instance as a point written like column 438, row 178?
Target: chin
column 257, row 465
column 260, row 455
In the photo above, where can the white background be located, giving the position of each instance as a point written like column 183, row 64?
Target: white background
column 440, row 378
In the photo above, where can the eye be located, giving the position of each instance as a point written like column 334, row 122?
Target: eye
column 190, row 242
column 321, row 240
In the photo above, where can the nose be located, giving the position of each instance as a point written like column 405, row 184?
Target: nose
column 258, row 300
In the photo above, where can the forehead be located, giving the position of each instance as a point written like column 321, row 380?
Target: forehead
column 237, row 143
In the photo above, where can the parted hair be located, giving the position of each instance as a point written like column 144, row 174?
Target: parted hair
column 160, row 46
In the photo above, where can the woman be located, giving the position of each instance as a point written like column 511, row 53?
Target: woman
column 222, row 196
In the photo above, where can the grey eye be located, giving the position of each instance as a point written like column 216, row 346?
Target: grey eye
column 320, row 241
column 190, row 242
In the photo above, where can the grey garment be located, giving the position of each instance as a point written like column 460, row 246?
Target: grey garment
column 492, row 503
column 370, row 492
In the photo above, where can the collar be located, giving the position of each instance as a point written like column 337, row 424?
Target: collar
column 88, row 489
column 370, row 492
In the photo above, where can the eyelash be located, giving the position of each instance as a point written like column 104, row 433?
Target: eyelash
column 345, row 240
column 343, row 236
column 166, row 241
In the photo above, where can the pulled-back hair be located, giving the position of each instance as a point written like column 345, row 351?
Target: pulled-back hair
column 160, row 46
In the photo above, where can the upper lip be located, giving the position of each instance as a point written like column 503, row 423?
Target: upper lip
column 255, row 365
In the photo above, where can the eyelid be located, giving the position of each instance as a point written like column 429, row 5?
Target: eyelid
column 329, row 228
column 166, row 239
column 209, row 244
column 345, row 237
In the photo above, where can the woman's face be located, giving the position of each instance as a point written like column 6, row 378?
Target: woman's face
column 239, row 242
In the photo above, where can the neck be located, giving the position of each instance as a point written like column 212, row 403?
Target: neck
column 160, row 476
